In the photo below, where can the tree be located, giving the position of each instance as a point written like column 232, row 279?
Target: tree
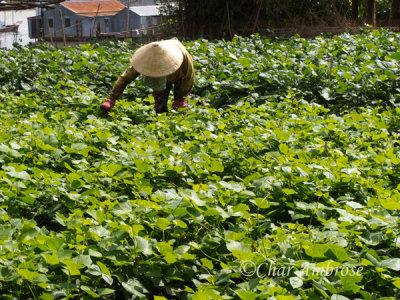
column 354, row 9
column 225, row 18
column 370, row 12
column 395, row 12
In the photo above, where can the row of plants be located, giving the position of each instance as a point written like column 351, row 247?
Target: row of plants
column 280, row 182
column 344, row 72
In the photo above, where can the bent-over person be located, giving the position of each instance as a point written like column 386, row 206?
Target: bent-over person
column 163, row 64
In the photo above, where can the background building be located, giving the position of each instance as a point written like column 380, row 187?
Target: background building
column 93, row 18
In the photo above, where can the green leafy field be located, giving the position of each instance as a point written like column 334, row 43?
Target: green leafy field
column 280, row 182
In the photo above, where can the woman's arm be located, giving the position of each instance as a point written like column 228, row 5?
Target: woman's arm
column 123, row 80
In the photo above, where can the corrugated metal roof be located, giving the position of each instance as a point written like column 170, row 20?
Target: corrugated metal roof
column 146, row 11
column 93, row 8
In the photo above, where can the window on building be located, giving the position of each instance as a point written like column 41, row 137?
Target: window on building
column 67, row 22
column 107, row 24
column 51, row 22
column 154, row 21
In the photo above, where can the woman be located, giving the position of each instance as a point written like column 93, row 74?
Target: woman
column 163, row 64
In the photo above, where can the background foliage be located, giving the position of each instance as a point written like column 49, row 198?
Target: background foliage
column 287, row 157
column 225, row 18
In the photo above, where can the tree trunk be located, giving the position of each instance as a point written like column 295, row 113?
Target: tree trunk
column 354, row 10
column 370, row 9
column 395, row 13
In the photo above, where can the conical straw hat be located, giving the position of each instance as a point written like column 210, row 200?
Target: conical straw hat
column 157, row 59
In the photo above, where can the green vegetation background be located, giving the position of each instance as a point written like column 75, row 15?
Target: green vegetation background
column 288, row 157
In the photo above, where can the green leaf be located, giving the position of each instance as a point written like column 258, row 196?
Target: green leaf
column 54, row 243
column 207, row 263
column 391, row 263
column 339, row 297
column 28, row 232
column 135, row 288
column 246, row 295
column 170, row 258
column 193, row 197
column 51, row 259
column 72, row 267
column 105, row 291
column 6, row 231
column 141, row 165
column 206, row 294
column 103, row 268
column 216, row 166
column 180, row 223
column 280, row 134
column 26, row 86
column 94, row 270
column 283, row 148
column 288, row 191
column 83, row 260
column 236, row 187
column 27, row 274
column 325, row 93
column 111, row 169
column 89, row 291
column 107, row 278
column 163, row 223
column 167, row 252
column 350, row 282
column 326, row 251
column 396, row 282
column 46, row 296
column 237, row 246
column 283, row 297
column 122, row 208
column 143, row 245
column 261, row 203
column 20, row 175
column 244, row 62
column 390, row 203
column 296, row 282
column 79, row 146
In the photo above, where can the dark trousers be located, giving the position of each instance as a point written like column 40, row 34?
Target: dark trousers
column 161, row 97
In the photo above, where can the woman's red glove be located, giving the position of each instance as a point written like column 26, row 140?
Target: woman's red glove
column 107, row 106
